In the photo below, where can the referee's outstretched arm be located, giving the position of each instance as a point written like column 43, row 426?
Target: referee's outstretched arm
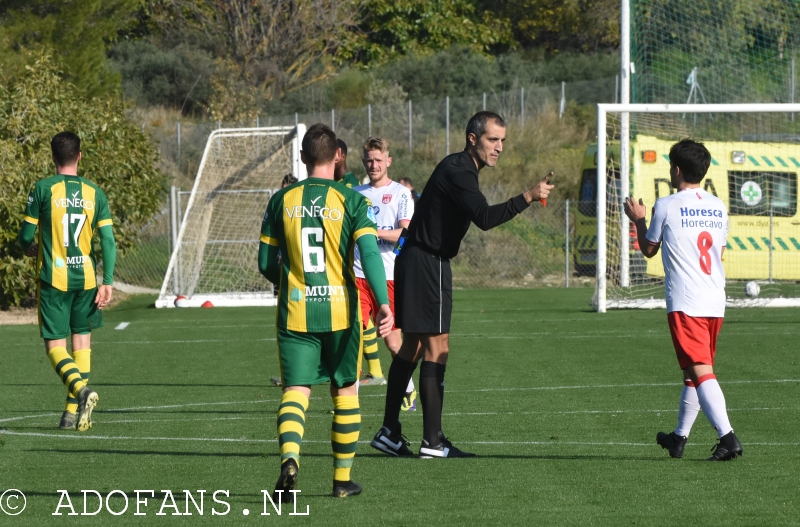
column 467, row 194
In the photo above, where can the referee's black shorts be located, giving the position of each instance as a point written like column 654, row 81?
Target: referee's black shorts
column 423, row 292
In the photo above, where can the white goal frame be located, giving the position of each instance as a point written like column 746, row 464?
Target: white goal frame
column 602, row 303
column 229, row 299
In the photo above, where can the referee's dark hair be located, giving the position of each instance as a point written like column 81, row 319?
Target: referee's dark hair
column 65, row 147
column 692, row 158
column 343, row 146
column 477, row 124
column 319, row 145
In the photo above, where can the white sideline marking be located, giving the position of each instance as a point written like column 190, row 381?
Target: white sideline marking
column 240, row 440
column 450, row 414
column 488, row 336
column 261, row 401
column 112, row 342
column 122, row 325
column 633, row 385
column 7, row 419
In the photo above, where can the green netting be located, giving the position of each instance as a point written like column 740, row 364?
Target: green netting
column 743, row 51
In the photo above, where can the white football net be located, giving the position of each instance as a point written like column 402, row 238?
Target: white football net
column 215, row 256
column 755, row 164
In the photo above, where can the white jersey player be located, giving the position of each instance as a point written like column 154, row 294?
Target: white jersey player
column 393, row 207
column 691, row 228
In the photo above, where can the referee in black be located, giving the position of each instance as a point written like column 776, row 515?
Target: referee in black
column 424, row 283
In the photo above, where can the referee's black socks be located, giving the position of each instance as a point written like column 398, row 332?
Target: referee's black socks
column 431, row 394
column 400, row 372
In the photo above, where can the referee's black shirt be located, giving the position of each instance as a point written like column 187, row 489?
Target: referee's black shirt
column 451, row 199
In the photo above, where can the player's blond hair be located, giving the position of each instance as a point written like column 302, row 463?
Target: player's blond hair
column 376, row 143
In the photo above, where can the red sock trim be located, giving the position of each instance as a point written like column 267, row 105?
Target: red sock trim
column 688, row 382
column 704, row 378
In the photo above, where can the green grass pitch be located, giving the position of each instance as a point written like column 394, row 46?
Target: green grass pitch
column 561, row 405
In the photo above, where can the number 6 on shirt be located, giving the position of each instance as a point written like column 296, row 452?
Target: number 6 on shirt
column 704, row 243
column 313, row 257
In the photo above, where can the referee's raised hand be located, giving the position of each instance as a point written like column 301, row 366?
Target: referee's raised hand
column 540, row 191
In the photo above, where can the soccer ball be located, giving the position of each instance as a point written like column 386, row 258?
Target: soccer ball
column 751, row 289
column 181, row 301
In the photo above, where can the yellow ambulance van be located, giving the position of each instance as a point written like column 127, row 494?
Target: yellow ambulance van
column 757, row 181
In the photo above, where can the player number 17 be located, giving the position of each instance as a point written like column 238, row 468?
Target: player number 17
column 66, row 219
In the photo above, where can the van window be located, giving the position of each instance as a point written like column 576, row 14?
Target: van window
column 587, row 199
column 588, row 193
column 752, row 193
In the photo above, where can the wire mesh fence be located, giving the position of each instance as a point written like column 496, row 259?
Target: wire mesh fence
column 142, row 268
column 530, row 251
column 536, row 249
column 416, row 130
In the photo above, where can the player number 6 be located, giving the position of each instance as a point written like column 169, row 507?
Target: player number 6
column 313, row 256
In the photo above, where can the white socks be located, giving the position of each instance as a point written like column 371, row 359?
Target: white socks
column 687, row 411
column 708, row 396
column 712, row 401
column 410, row 387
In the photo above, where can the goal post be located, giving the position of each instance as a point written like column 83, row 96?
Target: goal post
column 214, row 258
column 759, row 142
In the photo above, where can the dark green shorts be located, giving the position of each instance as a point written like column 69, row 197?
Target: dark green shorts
column 62, row 313
column 315, row 358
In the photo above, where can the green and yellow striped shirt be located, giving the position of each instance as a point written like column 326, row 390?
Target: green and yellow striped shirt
column 316, row 223
column 349, row 180
column 68, row 211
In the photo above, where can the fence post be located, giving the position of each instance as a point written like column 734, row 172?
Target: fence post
column 562, row 107
column 173, row 218
column 484, row 101
column 447, row 124
column 770, row 241
column 178, row 124
column 295, row 119
column 522, row 106
column 791, row 94
column 333, row 120
column 258, row 122
column 566, row 245
column 369, row 120
column 410, row 141
column 178, row 268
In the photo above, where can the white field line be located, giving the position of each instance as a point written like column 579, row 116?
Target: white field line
column 507, row 336
column 122, row 325
column 114, row 342
column 632, row 385
column 262, row 401
column 309, row 415
column 488, row 335
column 244, row 440
column 204, row 326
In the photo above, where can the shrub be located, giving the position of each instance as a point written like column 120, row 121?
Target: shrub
column 116, row 156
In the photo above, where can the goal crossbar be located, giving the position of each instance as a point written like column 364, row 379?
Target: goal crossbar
column 602, row 156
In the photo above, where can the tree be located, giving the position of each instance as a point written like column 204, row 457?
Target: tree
column 116, row 156
column 393, row 28
column 559, row 25
column 264, row 48
column 74, row 32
